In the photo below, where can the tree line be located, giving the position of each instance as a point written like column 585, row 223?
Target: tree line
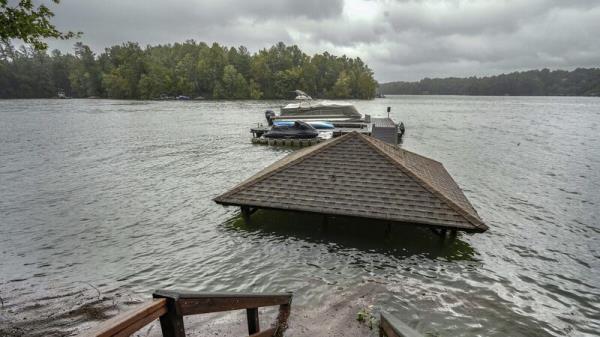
column 193, row 69
column 579, row 82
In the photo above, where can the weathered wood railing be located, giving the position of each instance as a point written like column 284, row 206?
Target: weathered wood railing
column 390, row 326
column 171, row 306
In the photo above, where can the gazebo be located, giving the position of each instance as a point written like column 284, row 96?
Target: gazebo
column 359, row 176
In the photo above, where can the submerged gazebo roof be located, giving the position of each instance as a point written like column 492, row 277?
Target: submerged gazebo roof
column 357, row 175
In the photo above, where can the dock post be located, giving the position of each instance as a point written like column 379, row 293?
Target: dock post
column 453, row 234
column 246, row 214
column 171, row 323
column 443, row 235
column 325, row 223
column 253, row 323
column 388, row 231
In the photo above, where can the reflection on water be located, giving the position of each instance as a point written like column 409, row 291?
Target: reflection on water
column 367, row 235
column 117, row 196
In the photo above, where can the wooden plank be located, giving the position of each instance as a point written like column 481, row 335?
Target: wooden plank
column 191, row 303
column 192, row 306
column 390, row 326
column 265, row 333
column 130, row 321
column 253, row 322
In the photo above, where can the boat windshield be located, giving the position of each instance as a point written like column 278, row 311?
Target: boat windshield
column 322, row 108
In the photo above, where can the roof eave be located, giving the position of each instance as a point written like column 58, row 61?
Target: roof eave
column 474, row 229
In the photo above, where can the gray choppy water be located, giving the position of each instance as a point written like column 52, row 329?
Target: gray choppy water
column 117, row 194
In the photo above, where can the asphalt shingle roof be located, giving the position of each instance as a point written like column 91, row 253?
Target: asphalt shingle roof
column 357, row 175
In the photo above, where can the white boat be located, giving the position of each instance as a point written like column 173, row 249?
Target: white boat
column 323, row 111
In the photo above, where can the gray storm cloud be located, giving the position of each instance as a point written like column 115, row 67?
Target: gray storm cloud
column 400, row 40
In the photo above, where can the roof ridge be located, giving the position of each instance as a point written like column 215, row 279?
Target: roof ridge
column 311, row 151
column 377, row 144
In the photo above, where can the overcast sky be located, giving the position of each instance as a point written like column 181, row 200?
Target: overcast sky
column 400, row 40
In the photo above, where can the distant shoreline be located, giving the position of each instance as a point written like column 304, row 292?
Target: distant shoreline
column 280, row 99
column 578, row 82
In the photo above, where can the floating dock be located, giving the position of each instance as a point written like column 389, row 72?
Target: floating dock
column 384, row 129
column 287, row 142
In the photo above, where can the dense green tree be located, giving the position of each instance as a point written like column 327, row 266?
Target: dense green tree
column 85, row 77
column 210, row 68
column 234, row 84
column 254, row 91
column 190, row 68
column 342, row 88
column 29, row 23
column 126, row 66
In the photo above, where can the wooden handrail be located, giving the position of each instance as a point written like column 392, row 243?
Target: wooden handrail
column 184, row 303
column 130, row 321
column 192, row 303
column 170, row 307
column 390, row 326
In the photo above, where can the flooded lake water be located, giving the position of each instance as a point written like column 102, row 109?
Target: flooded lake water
column 103, row 198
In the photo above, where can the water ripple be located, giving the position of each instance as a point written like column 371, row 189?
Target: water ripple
column 120, row 201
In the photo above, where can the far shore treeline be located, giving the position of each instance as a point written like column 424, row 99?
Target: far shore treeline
column 579, row 82
column 192, row 69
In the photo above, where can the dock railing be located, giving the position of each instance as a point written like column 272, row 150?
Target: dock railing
column 171, row 306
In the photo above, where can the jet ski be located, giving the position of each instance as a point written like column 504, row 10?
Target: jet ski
column 315, row 124
column 298, row 130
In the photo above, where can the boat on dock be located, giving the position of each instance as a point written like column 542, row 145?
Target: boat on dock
column 320, row 125
column 385, row 129
column 330, row 119
column 318, row 111
column 297, row 130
